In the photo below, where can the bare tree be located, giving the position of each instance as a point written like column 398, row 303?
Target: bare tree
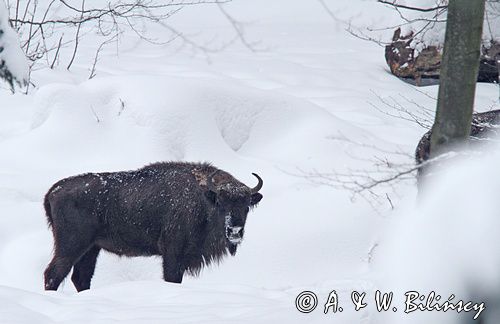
column 458, row 75
column 462, row 64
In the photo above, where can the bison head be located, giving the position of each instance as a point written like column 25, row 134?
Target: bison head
column 233, row 200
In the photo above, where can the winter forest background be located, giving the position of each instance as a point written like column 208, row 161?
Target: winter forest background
column 298, row 91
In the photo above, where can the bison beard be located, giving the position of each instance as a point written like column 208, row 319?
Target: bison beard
column 191, row 214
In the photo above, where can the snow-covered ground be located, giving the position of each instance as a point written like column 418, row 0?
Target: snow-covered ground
column 277, row 112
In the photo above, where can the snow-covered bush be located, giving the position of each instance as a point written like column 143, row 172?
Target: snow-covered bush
column 13, row 63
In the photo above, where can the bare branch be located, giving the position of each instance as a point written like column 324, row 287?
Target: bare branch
column 77, row 36
column 57, row 53
column 239, row 28
column 96, row 57
column 400, row 6
column 41, row 29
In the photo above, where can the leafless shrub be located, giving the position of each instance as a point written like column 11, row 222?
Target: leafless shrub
column 377, row 182
column 50, row 29
column 383, row 171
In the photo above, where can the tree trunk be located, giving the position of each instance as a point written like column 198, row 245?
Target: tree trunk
column 458, row 75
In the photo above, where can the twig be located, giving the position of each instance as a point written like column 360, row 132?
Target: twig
column 95, row 114
column 76, row 37
column 394, row 4
column 122, row 106
column 57, row 53
column 96, row 57
column 239, row 28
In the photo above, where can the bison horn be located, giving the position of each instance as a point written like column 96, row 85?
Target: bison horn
column 210, row 183
column 259, row 185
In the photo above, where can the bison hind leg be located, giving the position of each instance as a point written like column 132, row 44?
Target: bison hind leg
column 83, row 270
column 66, row 254
column 56, row 271
column 74, row 235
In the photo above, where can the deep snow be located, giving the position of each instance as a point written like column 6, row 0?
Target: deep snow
column 273, row 112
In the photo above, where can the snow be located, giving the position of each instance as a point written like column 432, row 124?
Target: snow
column 12, row 57
column 449, row 243
column 276, row 112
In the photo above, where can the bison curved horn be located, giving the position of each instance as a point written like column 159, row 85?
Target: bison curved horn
column 259, row 185
column 210, row 182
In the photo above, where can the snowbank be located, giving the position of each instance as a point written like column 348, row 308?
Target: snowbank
column 449, row 243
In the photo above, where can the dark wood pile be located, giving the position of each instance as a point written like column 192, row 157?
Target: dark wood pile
column 423, row 68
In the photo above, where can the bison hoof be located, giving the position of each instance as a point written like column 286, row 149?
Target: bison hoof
column 174, row 280
column 50, row 285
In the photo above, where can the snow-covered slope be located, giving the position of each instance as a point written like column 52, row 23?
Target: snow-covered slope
column 276, row 112
column 449, row 244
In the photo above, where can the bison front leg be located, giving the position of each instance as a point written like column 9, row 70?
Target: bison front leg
column 83, row 270
column 173, row 270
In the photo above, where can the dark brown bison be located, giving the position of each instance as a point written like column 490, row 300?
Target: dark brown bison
column 191, row 214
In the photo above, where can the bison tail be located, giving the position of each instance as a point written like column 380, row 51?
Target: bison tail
column 46, row 206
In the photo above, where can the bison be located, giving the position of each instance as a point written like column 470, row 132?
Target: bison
column 482, row 127
column 190, row 214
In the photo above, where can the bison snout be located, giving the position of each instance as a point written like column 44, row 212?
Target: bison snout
column 234, row 234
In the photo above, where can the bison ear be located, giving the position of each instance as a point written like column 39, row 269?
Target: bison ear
column 211, row 196
column 255, row 198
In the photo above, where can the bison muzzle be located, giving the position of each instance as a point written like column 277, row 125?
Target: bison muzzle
column 190, row 214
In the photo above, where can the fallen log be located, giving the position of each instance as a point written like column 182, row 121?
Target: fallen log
column 423, row 68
